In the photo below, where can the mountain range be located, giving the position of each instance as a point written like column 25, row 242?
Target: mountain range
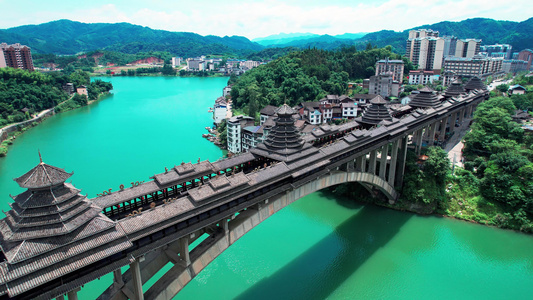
column 70, row 37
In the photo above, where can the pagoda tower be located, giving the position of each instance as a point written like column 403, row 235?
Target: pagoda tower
column 376, row 112
column 284, row 142
column 475, row 83
column 425, row 99
column 50, row 231
column 454, row 90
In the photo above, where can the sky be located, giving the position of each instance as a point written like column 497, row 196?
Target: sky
column 260, row 18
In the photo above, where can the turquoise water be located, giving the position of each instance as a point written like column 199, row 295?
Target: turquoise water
column 319, row 247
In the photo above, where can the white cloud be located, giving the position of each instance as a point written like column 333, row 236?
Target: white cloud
column 261, row 18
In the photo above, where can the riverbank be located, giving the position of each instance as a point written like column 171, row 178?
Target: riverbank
column 9, row 133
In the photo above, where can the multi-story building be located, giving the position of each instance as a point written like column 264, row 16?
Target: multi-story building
column 503, row 50
column 267, row 112
column 251, row 136
column 467, row 48
column 250, row 64
column 479, row 66
column 16, row 56
column 220, row 110
column 176, row 61
column 394, row 66
column 234, row 128
column 349, row 109
column 422, row 77
column 384, row 85
column 514, row 66
column 196, row 65
column 425, row 49
column 526, row 55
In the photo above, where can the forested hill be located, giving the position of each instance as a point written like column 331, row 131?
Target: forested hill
column 517, row 34
column 69, row 37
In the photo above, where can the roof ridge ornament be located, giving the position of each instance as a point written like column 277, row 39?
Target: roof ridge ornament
column 40, row 157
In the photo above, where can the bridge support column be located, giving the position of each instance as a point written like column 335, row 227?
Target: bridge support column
column 372, row 162
column 137, row 280
column 419, row 142
column 401, row 162
column 442, row 132
column 117, row 278
column 383, row 162
column 394, row 160
column 453, row 121
column 184, row 250
column 359, row 162
column 62, row 297
column 431, row 140
column 350, row 166
column 225, row 226
column 461, row 116
column 469, row 111
column 73, row 295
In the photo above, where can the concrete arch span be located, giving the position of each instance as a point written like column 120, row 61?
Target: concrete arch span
column 229, row 230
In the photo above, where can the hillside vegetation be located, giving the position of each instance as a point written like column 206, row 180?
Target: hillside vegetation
column 306, row 75
column 69, row 37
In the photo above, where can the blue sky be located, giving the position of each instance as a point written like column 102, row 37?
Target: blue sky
column 259, row 18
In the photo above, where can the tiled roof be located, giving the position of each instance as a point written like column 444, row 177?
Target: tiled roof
column 42, row 176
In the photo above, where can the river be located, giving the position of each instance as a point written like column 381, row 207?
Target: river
column 318, row 247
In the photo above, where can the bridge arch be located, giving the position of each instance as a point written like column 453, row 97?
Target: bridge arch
column 230, row 229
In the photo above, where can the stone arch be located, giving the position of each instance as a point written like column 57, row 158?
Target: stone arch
column 179, row 275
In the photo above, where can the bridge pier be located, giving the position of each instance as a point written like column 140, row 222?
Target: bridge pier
column 383, row 162
column 117, row 278
column 442, row 132
column 431, row 140
column 184, row 251
column 73, row 295
column 372, row 162
column 401, row 162
column 394, row 160
column 419, row 142
column 137, row 280
column 461, row 116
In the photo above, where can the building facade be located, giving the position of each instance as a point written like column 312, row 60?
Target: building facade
column 220, row 110
column 384, row 85
column 234, row 128
column 422, row 77
column 479, row 66
column 394, row 66
column 503, row 50
column 526, row 55
column 16, row 56
column 514, row 66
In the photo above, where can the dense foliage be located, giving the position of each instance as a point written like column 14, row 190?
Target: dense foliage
column 21, row 89
column 306, row 75
column 34, row 91
column 425, row 182
column 500, row 154
column 69, row 37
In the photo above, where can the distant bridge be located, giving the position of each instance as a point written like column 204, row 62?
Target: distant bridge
column 54, row 240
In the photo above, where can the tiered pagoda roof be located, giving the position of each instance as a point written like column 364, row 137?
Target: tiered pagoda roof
column 425, row 99
column 376, row 112
column 52, row 230
column 475, row 83
column 284, row 142
column 454, row 90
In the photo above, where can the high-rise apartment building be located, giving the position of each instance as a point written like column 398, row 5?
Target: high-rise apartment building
column 526, row 55
column 16, row 56
column 503, row 50
column 467, row 48
column 427, row 50
column 394, row 66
